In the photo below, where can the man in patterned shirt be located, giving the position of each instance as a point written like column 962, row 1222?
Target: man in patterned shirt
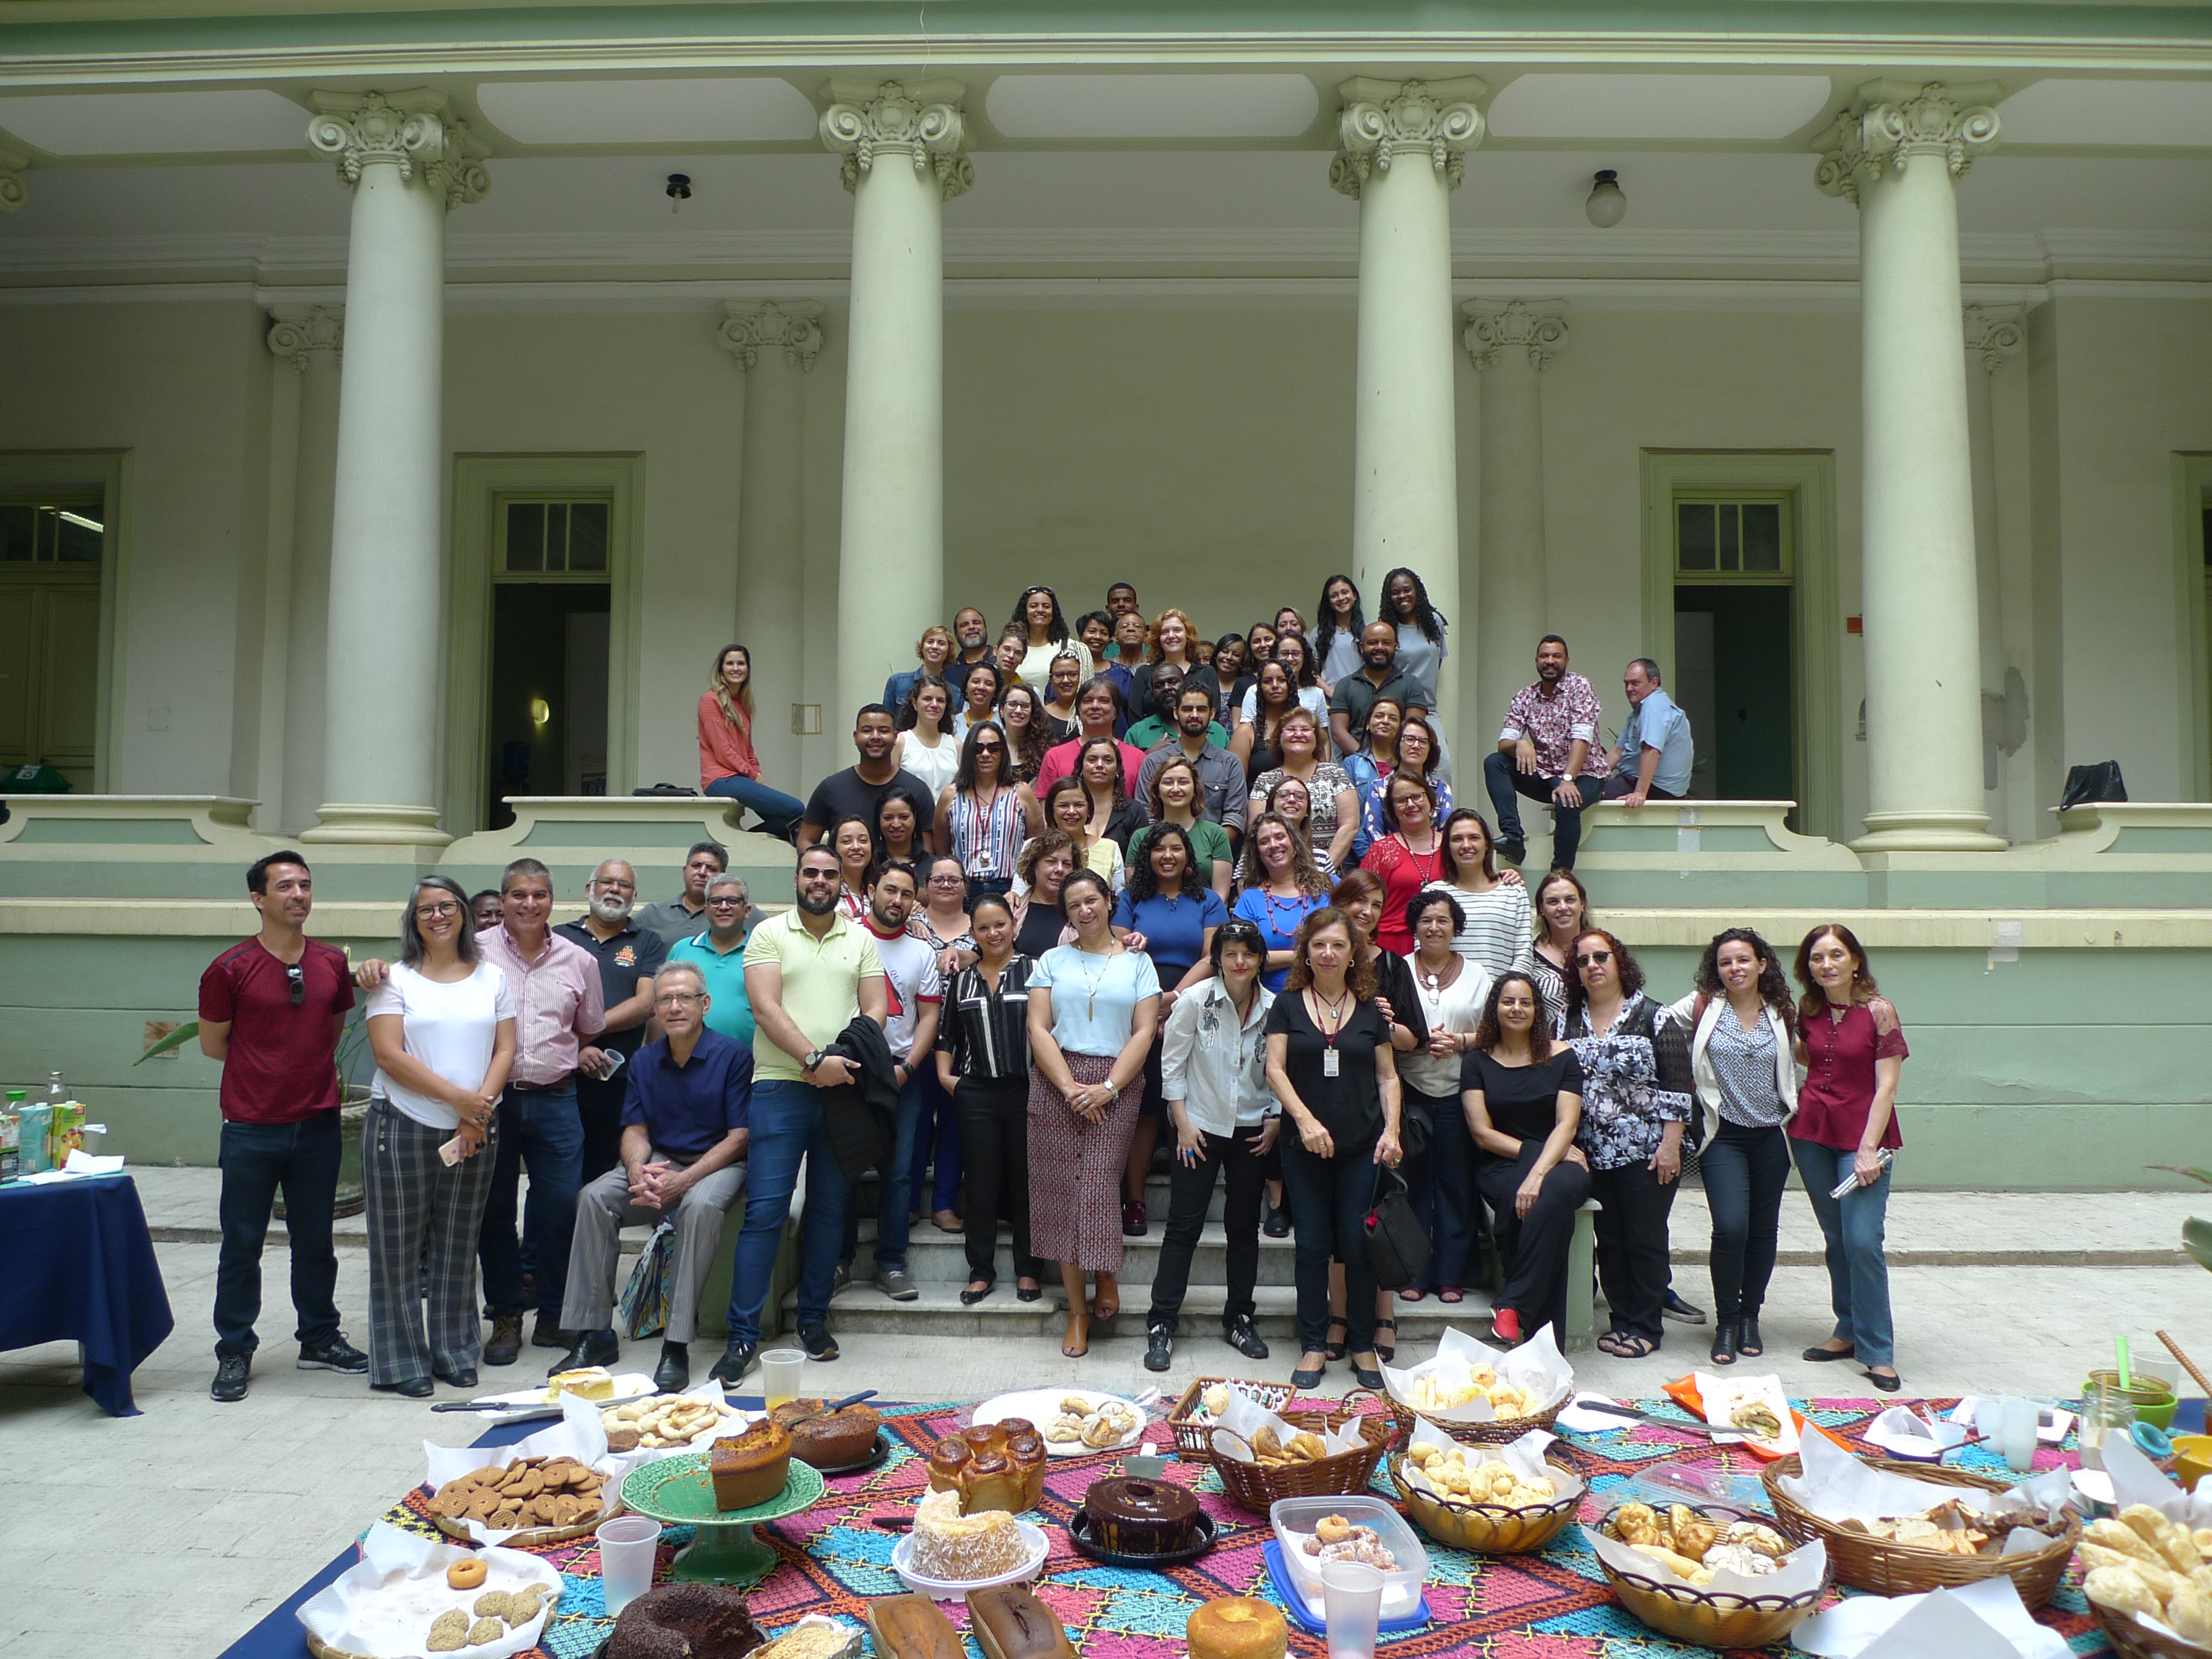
column 1548, row 744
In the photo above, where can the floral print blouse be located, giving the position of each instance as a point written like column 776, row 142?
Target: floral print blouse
column 1636, row 1080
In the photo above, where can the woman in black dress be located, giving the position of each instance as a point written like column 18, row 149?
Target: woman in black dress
column 1331, row 1064
column 1523, row 1095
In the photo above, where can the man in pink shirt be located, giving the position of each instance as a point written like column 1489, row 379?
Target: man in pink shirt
column 1096, row 707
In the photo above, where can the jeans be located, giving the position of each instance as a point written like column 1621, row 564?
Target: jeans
column 937, row 1125
column 1505, row 780
column 1745, row 1170
column 1190, row 1190
column 1858, row 1272
column 893, row 1188
column 1632, row 1245
column 994, row 1138
column 1532, row 1249
column 1441, row 1186
column 1329, row 1198
column 788, row 1126
column 779, row 813
column 256, row 1159
column 539, row 1127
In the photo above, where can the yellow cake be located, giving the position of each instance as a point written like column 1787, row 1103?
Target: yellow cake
column 593, row 1382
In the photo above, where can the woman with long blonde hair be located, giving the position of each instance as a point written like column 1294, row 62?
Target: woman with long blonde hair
column 727, row 765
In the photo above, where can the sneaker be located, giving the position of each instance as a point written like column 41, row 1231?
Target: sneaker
column 1134, row 1222
column 1277, row 1223
column 1160, row 1345
column 818, row 1341
column 1674, row 1308
column 1242, row 1336
column 894, row 1283
column 673, row 1374
column 332, row 1354
column 593, row 1348
column 230, row 1374
column 737, row 1359
column 506, row 1345
column 547, row 1334
column 1505, row 1328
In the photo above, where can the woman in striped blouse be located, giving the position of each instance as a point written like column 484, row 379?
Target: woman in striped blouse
column 1498, row 930
column 983, row 1061
column 982, row 817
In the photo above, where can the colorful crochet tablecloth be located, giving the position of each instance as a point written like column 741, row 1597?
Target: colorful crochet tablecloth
column 1552, row 1606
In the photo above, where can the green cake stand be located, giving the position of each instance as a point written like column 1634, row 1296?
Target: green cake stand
column 677, row 1491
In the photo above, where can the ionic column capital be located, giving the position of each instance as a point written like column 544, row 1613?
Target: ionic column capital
column 1994, row 333
column 405, row 129
column 1536, row 326
column 918, row 121
column 13, row 192
column 301, row 333
column 749, row 328
column 1383, row 122
column 1892, row 121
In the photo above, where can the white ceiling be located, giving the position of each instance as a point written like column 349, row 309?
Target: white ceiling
column 1712, row 106
column 2135, row 112
column 156, row 123
column 725, row 110
column 1152, row 106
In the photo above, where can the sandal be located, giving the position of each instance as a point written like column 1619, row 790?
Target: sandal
column 1626, row 1344
column 1389, row 1356
column 1452, row 1293
column 1412, row 1293
column 1335, row 1350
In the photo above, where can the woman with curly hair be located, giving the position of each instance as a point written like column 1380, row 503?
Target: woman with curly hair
column 1041, row 868
column 980, row 684
column 1029, row 732
column 1277, row 889
column 1332, row 805
column 1742, row 1028
column 1257, row 739
column 1421, row 644
column 1044, row 635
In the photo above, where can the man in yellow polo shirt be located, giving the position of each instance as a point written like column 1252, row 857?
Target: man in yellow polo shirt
column 809, row 974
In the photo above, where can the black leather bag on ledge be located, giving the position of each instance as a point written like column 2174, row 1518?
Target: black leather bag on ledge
column 664, row 789
column 2099, row 780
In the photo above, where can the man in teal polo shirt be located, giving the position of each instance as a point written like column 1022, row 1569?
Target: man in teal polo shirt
column 720, row 955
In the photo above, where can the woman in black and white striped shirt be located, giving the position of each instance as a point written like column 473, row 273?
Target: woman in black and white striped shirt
column 983, row 1062
column 1497, row 929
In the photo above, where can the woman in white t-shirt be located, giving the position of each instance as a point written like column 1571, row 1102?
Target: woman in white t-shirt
column 442, row 1029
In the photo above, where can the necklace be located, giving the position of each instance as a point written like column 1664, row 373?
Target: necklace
column 1091, row 982
column 1436, row 981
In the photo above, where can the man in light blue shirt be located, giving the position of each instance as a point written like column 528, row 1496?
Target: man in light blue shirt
column 1653, row 761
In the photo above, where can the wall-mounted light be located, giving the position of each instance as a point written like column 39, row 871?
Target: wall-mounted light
column 679, row 190
column 1606, row 206
column 540, row 711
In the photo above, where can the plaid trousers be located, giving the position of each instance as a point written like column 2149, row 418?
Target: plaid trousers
column 420, row 1214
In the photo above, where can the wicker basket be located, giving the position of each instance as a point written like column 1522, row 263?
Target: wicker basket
column 2131, row 1640
column 1489, row 1528
column 1707, row 1620
column 1194, row 1438
column 1867, row 1563
column 1256, row 1486
column 1498, row 1432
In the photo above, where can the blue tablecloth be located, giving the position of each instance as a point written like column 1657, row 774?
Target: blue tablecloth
column 81, row 1267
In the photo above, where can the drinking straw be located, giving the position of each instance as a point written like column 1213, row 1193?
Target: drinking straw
column 2120, row 1343
column 2187, row 1364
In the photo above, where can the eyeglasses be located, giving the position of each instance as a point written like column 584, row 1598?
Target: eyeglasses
column 296, row 981
column 676, row 1000
column 1594, row 956
column 727, row 903
column 437, row 911
column 948, row 881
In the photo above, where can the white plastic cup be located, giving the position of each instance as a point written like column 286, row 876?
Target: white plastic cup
column 627, row 1546
column 783, row 1375
column 1352, row 1600
column 2018, row 1419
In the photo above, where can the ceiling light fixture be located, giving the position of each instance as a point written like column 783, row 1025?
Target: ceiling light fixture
column 679, row 190
column 1606, row 206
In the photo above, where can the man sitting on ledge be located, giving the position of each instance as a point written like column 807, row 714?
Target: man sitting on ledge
column 1656, row 752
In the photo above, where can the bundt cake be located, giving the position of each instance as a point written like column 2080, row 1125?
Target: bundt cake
column 684, row 1621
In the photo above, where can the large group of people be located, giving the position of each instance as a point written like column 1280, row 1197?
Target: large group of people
column 1094, row 894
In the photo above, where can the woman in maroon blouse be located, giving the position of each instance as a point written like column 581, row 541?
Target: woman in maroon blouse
column 1853, row 1050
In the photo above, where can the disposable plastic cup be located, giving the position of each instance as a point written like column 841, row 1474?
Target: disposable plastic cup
column 1352, row 1600
column 627, row 1545
column 783, row 1373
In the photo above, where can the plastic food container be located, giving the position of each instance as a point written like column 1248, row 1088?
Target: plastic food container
column 1295, row 1518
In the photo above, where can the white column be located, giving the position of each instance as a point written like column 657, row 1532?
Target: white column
column 407, row 165
column 308, row 342
column 775, row 345
column 1994, row 334
column 1896, row 152
column 903, row 161
column 1510, row 341
column 1401, row 150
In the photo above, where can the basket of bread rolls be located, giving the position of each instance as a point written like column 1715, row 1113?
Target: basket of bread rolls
column 1709, row 1576
column 1305, row 1462
column 1479, row 1499
column 1203, row 1405
column 2144, row 1566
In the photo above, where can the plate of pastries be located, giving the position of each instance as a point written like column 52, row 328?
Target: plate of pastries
column 1074, row 1422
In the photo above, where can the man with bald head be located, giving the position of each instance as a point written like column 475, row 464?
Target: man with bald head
column 629, row 956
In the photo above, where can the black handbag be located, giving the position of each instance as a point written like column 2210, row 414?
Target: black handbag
column 2099, row 780
column 1397, row 1244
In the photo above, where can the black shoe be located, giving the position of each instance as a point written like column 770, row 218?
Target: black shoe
column 818, row 1341
column 332, row 1354
column 673, row 1374
column 506, row 1345
column 1725, row 1341
column 1821, row 1355
column 737, row 1359
column 1033, row 1293
column 546, row 1334
column 970, row 1296
column 1889, row 1384
column 1305, row 1382
column 1366, row 1378
column 593, row 1348
column 415, row 1388
column 1512, row 852
column 1240, row 1334
column 1159, row 1346
column 1277, row 1225
column 1748, row 1342
column 464, row 1378
column 231, row 1371
column 1674, row 1308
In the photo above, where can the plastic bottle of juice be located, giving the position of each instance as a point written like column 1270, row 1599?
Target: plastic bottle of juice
column 10, row 1135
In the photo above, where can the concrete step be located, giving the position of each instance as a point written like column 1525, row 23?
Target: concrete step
column 937, row 1312
column 933, row 1257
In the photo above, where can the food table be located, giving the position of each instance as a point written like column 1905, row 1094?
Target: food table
column 1552, row 1606
column 81, row 1268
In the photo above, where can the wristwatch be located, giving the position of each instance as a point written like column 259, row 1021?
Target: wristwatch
column 812, row 1059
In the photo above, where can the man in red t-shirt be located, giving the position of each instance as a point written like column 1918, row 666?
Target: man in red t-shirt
column 271, row 1010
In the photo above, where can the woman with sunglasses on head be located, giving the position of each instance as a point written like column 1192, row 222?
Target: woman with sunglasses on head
column 441, row 1025
column 1852, row 1046
column 1440, row 1179
column 1213, row 1066
column 940, row 921
column 1522, row 1097
column 1176, row 796
column 1561, row 913
column 983, row 1063
column 1045, row 635
column 926, row 745
column 1636, row 1090
column 1497, row 929
column 1339, row 621
column 1047, row 859
column 935, row 652
column 982, row 818
column 1331, row 806
column 981, row 687
column 1094, row 1012
column 1029, row 732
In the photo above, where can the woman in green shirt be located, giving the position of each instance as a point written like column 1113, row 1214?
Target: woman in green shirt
column 1175, row 798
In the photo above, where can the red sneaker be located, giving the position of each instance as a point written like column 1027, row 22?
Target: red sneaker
column 1505, row 1326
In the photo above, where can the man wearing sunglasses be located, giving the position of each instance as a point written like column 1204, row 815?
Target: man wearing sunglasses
column 271, row 1010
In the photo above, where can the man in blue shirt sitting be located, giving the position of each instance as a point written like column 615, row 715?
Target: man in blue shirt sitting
column 1656, row 753
column 684, row 1138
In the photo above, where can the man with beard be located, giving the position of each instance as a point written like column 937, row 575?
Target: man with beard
column 1149, row 733
column 1198, row 739
column 681, row 917
column 1548, row 744
column 629, row 958
column 973, row 635
column 1378, row 677
column 810, row 972
column 856, row 791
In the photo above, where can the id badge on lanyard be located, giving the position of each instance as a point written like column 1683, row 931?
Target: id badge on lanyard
column 1329, row 1059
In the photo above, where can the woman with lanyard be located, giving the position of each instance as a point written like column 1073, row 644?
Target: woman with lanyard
column 1635, row 1064
column 1213, row 1066
column 1170, row 916
column 1339, row 623
column 1496, row 929
column 1029, row 733
column 1259, row 722
column 1069, row 809
column 1331, row 1066
column 1044, row 635
column 1059, row 703
column 940, row 921
column 983, row 1063
column 980, row 688
column 1408, row 857
column 1332, row 805
column 1414, row 756
column 926, row 745
column 1742, row 1030
column 1176, row 797
column 1047, row 859
column 1853, row 1048
column 900, row 832
column 853, row 841
column 1561, row 904
column 982, row 818
column 1094, row 1011
column 1440, row 1185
